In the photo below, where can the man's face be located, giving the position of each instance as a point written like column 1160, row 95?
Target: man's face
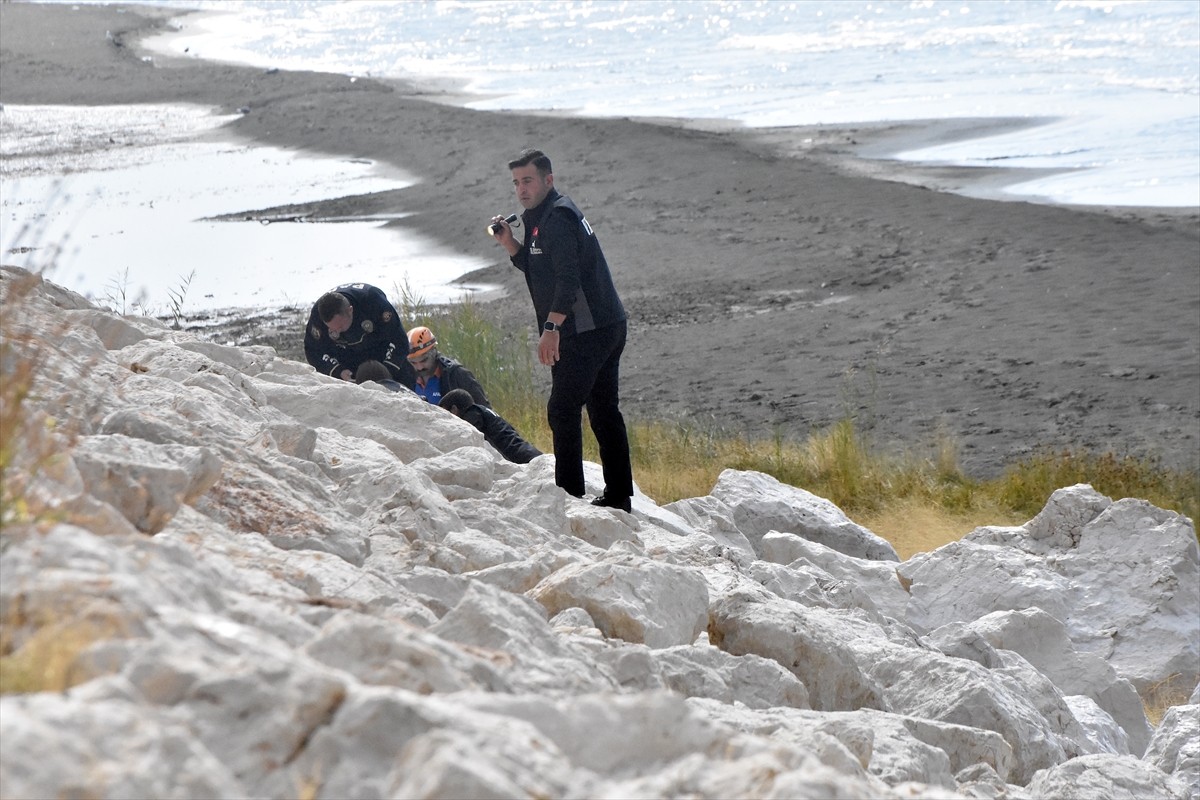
column 426, row 365
column 341, row 323
column 531, row 187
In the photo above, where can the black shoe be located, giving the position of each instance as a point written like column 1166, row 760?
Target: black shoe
column 622, row 503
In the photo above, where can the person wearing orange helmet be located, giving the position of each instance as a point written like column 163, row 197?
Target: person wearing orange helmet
column 438, row 375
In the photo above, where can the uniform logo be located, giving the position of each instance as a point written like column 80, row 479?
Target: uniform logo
column 368, row 326
column 314, row 332
column 387, row 316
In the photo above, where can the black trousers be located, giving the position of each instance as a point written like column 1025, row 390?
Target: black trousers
column 588, row 374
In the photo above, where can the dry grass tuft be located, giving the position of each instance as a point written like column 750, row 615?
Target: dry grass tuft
column 32, row 443
column 1163, row 695
column 913, row 527
column 46, row 659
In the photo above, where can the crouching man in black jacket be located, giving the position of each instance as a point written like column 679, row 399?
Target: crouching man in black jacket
column 356, row 323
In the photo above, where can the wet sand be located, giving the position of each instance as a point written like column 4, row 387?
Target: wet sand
column 776, row 280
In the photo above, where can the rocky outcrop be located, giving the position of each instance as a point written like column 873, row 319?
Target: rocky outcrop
column 225, row 575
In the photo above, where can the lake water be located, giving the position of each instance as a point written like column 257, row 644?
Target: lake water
column 128, row 222
column 1120, row 80
column 1117, row 85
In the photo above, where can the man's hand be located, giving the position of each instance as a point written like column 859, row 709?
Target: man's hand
column 548, row 348
column 346, row 375
column 504, row 235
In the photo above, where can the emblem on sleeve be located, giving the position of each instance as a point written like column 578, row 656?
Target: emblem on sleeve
column 368, row 326
column 387, row 316
column 314, row 332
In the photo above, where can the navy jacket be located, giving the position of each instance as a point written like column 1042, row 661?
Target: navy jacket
column 565, row 269
column 376, row 333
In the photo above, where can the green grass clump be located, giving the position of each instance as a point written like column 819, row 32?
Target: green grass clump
column 1025, row 485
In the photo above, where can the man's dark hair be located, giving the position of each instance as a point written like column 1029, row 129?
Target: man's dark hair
column 535, row 157
column 331, row 304
column 456, row 401
column 371, row 370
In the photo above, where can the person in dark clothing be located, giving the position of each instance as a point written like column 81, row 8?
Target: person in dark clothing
column 438, row 374
column 353, row 323
column 375, row 371
column 495, row 429
column 582, row 324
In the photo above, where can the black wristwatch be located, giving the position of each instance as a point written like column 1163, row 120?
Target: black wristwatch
column 550, row 326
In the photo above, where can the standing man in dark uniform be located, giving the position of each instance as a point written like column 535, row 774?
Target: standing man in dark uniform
column 352, row 324
column 582, row 325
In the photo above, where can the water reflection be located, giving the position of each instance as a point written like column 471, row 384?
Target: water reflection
column 136, row 229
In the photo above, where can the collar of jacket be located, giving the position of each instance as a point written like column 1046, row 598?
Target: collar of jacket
column 534, row 215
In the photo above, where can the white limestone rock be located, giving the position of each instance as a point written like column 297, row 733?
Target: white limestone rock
column 760, row 504
column 1044, row 642
column 508, row 761
column 876, row 582
column 381, row 740
column 146, row 482
column 847, row 662
column 1141, row 569
column 472, row 470
column 529, row 655
column 402, row 422
column 388, row 654
column 631, row 598
column 894, row 749
column 106, row 748
column 713, row 517
column 696, row 671
column 1125, row 583
column 1102, row 732
column 348, row 610
column 1175, row 748
column 1112, row 777
column 116, row 332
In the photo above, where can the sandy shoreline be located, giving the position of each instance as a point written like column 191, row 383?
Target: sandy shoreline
column 776, row 282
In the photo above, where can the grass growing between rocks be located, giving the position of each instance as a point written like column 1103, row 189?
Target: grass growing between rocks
column 1173, row 691
column 918, row 503
column 36, row 654
column 31, row 442
column 49, row 658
